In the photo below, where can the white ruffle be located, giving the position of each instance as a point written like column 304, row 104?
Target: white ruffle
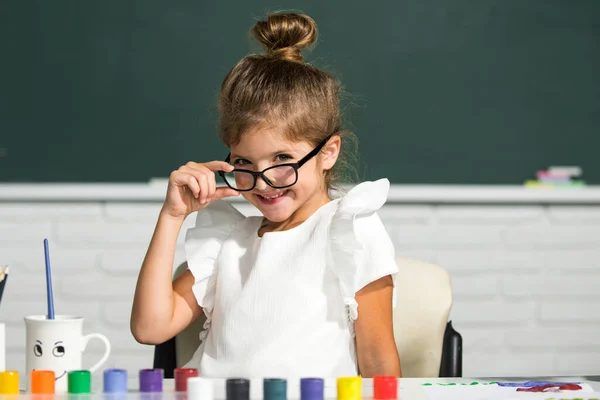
column 346, row 251
column 203, row 244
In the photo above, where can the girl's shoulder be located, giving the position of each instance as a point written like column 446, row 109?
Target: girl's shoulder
column 218, row 213
column 360, row 249
column 355, row 215
column 214, row 224
column 364, row 198
column 203, row 242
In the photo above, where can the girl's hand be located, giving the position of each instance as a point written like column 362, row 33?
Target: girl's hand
column 193, row 186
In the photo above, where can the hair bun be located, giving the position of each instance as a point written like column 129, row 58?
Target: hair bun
column 284, row 35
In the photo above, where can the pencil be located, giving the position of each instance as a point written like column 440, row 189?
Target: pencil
column 3, row 279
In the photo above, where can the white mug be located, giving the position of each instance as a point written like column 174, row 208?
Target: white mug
column 58, row 345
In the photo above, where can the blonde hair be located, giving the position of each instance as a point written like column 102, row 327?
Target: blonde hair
column 279, row 89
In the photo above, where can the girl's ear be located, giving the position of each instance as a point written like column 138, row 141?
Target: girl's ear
column 330, row 152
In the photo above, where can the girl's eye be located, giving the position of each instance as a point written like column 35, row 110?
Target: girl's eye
column 241, row 161
column 282, row 157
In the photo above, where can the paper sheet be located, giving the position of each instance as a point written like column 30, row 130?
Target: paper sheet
column 485, row 391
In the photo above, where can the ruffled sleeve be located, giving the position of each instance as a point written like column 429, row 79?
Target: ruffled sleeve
column 360, row 250
column 203, row 244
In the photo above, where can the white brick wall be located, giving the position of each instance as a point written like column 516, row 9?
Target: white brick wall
column 526, row 279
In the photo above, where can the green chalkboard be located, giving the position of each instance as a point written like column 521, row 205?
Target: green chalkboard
column 461, row 91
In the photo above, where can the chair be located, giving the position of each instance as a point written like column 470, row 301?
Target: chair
column 424, row 337
column 427, row 343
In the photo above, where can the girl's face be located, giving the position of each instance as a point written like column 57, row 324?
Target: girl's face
column 262, row 148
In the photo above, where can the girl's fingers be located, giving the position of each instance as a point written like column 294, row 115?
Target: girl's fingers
column 215, row 166
column 197, row 173
column 224, row 191
column 203, row 180
column 183, row 179
column 192, row 183
column 212, row 185
column 200, row 178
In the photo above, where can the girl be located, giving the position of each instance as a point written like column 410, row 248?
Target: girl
column 305, row 290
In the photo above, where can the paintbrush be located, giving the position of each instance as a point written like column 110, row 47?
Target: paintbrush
column 3, row 279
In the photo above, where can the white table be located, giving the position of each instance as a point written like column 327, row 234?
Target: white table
column 409, row 388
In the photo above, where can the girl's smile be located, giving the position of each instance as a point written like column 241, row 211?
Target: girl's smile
column 270, row 199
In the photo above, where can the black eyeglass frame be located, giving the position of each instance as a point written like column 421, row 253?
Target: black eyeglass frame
column 261, row 174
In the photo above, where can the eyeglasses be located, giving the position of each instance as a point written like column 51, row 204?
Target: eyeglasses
column 278, row 176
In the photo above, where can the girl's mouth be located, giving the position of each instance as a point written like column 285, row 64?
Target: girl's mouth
column 271, row 198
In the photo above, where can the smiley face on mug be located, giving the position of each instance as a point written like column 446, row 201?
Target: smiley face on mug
column 58, row 345
column 55, row 350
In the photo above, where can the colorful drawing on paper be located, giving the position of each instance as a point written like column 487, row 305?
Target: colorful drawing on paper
column 509, row 390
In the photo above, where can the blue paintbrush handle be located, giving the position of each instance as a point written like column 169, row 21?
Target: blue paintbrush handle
column 49, row 281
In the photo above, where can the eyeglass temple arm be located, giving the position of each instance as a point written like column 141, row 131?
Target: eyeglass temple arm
column 313, row 153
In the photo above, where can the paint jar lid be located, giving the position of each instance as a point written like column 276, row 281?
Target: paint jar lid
column 79, row 381
column 199, row 389
column 42, row 382
column 349, row 388
column 385, row 387
column 237, row 389
column 115, row 380
column 151, row 380
column 274, row 389
column 181, row 377
column 311, row 389
column 9, row 382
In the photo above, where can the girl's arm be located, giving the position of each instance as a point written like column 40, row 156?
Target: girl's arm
column 161, row 307
column 376, row 348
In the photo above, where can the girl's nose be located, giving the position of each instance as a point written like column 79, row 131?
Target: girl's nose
column 261, row 184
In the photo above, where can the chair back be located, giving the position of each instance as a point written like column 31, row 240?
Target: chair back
column 423, row 303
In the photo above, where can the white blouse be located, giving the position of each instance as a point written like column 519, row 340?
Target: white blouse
column 283, row 305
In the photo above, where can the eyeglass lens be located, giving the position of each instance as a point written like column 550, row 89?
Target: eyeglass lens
column 278, row 177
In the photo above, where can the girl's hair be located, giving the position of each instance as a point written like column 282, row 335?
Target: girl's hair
column 279, row 90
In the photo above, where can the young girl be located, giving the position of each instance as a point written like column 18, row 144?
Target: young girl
column 305, row 290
